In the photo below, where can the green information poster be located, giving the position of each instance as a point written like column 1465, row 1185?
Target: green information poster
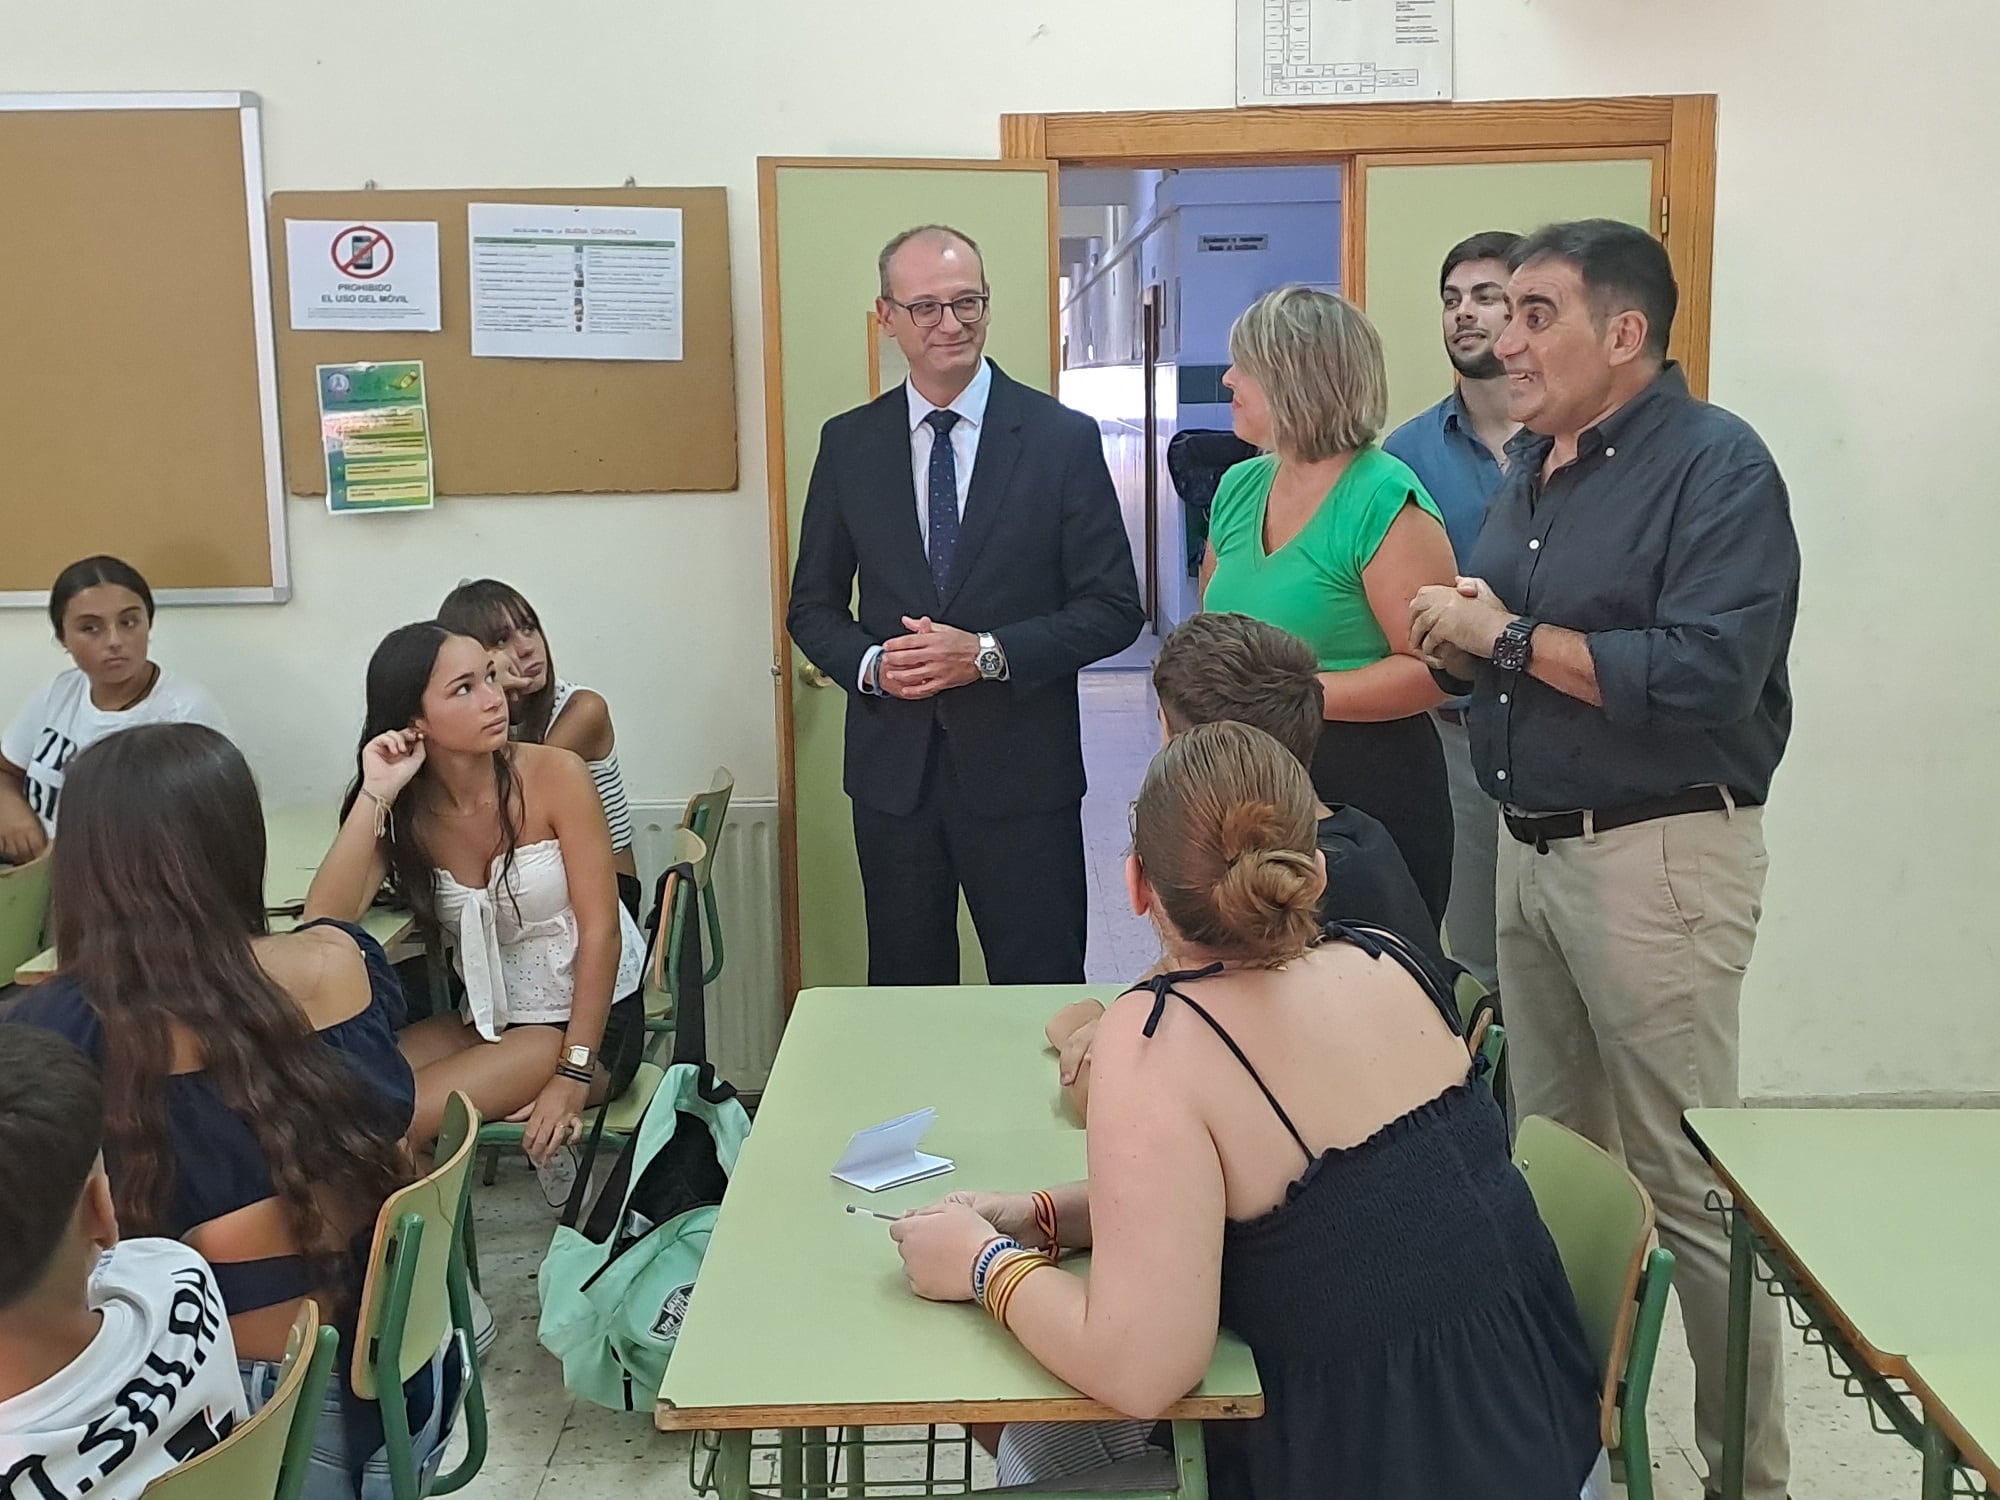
column 377, row 431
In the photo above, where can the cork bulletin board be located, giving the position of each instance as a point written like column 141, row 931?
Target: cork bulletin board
column 533, row 426
column 138, row 387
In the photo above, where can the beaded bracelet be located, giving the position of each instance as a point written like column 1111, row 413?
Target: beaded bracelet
column 1012, row 1270
column 993, row 1251
column 1045, row 1222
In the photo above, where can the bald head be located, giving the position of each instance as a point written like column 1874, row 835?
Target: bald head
column 932, row 241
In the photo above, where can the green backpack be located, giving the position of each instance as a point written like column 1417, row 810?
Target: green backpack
column 614, row 1292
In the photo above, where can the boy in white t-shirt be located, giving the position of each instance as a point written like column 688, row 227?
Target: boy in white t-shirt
column 116, row 1361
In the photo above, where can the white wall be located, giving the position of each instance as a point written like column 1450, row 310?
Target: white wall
column 1853, row 224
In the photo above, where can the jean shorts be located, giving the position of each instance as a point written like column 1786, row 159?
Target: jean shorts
column 434, row 1390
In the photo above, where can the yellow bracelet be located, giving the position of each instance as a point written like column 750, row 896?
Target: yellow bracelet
column 1015, row 1269
column 1002, row 1274
column 1014, row 1285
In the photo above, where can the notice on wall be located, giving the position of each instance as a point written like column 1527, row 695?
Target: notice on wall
column 376, row 277
column 1343, row 51
column 552, row 281
column 375, row 421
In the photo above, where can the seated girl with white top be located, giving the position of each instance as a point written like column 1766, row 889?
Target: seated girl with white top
column 545, row 709
column 102, row 611
column 502, row 852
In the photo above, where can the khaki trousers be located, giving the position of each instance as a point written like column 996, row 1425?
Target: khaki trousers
column 1622, row 957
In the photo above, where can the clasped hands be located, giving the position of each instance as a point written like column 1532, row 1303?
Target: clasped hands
column 1454, row 626
column 931, row 658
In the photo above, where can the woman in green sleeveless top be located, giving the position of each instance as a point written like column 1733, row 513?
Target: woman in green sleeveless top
column 1328, row 537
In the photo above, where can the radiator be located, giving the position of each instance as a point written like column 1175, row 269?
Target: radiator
column 746, row 1008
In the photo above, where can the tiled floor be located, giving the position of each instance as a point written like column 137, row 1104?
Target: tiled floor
column 547, row 1446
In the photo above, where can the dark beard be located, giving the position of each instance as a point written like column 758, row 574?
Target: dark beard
column 1484, row 366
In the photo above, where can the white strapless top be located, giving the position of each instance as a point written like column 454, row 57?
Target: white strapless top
column 515, row 946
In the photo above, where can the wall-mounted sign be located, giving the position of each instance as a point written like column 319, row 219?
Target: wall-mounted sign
column 1227, row 242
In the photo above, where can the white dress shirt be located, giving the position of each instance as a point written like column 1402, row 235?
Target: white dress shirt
column 970, row 404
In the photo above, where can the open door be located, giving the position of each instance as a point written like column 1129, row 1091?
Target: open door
column 1405, row 210
column 822, row 223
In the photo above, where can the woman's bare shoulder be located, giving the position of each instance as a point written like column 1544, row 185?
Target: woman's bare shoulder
column 322, row 969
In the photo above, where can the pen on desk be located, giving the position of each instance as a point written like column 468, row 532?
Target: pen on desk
column 855, row 1208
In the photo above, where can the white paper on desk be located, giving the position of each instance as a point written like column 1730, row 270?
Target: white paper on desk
column 886, row 1155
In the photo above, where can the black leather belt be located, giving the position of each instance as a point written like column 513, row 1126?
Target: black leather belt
column 1541, row 829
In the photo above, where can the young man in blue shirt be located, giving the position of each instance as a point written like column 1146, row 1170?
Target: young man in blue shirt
column 1458, row 449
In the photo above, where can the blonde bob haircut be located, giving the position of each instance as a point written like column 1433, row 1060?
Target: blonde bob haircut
column 1318, row 360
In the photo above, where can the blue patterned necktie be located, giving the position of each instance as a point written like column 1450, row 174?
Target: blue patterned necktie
column 943, row 501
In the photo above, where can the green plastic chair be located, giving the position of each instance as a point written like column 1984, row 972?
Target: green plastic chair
column 1601, row 1219
column 660, row 995
column 1484, row 1037
column 24, row 911
column 706, row 813
column 267, row 1455
column 416, row 1294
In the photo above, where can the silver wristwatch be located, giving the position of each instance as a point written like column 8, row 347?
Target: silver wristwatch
column 992, row 660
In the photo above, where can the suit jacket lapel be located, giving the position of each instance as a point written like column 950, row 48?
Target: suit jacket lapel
column 999, row 447
column 899, row 493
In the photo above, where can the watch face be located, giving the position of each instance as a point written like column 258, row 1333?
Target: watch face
column 989, row 663
column 577, row 1057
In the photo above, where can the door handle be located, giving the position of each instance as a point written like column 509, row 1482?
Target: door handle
column 812, row 675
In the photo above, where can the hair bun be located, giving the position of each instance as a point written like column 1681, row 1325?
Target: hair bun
column 1268, row 895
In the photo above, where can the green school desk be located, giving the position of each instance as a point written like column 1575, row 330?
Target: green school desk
column 802, row 1319
column 295, row 839
column 1879, row 1227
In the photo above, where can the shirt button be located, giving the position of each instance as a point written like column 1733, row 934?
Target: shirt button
column 1534, row 544
column 1503, row 697
column 1610, row 452
column 1499, row 775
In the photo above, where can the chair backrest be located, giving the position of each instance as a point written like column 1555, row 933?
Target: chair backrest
column 434, row 1206
column 675, row 903
column 266, row 1455
column 707, row 810
column 24, row 910
column 1601, row 1219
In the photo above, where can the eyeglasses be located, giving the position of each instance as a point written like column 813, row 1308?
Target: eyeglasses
column 928, row 312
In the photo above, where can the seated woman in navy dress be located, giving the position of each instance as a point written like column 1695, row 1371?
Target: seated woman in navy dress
column 1285, row 1140
column 255, row 1100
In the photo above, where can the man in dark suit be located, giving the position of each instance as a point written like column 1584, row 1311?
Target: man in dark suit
column 993, row 564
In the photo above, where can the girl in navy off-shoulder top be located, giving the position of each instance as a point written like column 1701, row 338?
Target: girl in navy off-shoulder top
column 256, row 1099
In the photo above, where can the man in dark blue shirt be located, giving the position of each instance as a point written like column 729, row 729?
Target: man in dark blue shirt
column 1624, row 634
column 1458, row 449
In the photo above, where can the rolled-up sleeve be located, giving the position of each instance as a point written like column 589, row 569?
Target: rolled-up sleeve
column 1727, row 592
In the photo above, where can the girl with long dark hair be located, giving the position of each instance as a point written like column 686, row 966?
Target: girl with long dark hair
column 546, row 710
column 255, row 1099
column 102, row 614
column 502, row 853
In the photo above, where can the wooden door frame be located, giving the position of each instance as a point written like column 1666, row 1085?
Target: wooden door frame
column 1680, row 128
column 778, row 515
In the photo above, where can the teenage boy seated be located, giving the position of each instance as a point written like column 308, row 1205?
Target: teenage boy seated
column 1218, row 667
column 116, row 1361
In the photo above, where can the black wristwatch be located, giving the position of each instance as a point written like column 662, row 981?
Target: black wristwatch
column 1515, row 647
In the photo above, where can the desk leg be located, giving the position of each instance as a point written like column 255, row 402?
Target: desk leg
column 732, row 1466
column 1736, row 1366
column 817, row 1486
column 1190, row 1461
column 792, row 1463
column 855, row 1446
column 1940, row 1462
